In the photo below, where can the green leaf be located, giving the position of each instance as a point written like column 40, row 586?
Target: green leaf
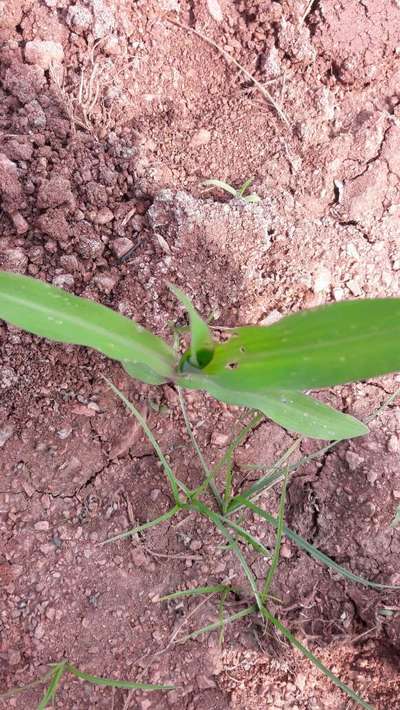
column 292, row 410
column 50, row 692
column 114, row 683
column 143, row 373
column 55, row 314
column 202, row 344
column 345, row 341
column 222, row 185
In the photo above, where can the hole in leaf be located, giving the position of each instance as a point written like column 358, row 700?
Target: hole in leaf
column 232, row 365
column 242, row 349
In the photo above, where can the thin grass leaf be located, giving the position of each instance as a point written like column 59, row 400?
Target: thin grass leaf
column 220, row 524
column 252, row 199
column 57, row 315
column 50, row 692
column 221, row 185
column 247, row 537
column 228, row 485
column 208, row 474
column 276, row 473
column 173, row 481
column 221, row 608
column 218, row 624
column 114, row 683
column 278, row 541
column 314, row 660
column 313, row 551
column 242, row 189
column 195, row 592
column 236, row 441
column 145, row 526
column 202, row 345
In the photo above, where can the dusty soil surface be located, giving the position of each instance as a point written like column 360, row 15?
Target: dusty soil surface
column 110, row 118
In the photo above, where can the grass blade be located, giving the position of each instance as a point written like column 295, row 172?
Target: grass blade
column 208, row 474
column 220, row 623
column 202, row 345
column 278, row 541
column 196, row 591
column 213, row 182
column 315, row 661
column 145, row 526
column 50, row 692
column 173, row 481
column 313, row 551
column 114, row 683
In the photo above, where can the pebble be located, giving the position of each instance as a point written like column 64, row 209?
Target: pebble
column 219, row 439
column 20, row 223
column 214, row 8
column 201, row 137
column 121, row 246
column 5, row 434
column 44, row 53
column 103, row 216
column 394, row 444
column 64, row 281
column 322, row 280
column 105, row 282
column 79, row 18
column 42, row 525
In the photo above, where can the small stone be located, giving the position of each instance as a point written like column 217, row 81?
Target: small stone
column 5, row 433
column 394, row 444
column 354, row 460
column 121, row 246
column 201, row 137
column 79, row 18
column 322, row 280
column 196, row 545
column 214, row 8
column 396, row 494
column 286, row 552
column 338, row 294
column 44, row 53
column 103, row 216
column 42, row 525
column 106, row 282
column 20, row 223
column 372, row 476
column 39, row 632
column 14, row 657
column 354, row 287
column 64, row 281
column 219, row 439
column 8, row 378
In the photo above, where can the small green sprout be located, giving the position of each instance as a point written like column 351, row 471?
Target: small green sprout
column 236, row 193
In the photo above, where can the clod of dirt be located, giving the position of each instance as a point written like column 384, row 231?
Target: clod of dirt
column 199, row 232
column 44, row 54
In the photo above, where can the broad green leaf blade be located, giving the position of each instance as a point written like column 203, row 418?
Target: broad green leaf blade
column 143, row 373
column 292, row 410
column 202, row 344
column 55, row 314
column 114, row 683
column 345, row 341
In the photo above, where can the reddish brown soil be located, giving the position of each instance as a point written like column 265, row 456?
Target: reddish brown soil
column 105, row 136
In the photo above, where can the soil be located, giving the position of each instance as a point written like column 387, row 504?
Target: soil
column 111, row 116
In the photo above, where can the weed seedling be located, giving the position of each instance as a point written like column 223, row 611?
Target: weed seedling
column 236, row 193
